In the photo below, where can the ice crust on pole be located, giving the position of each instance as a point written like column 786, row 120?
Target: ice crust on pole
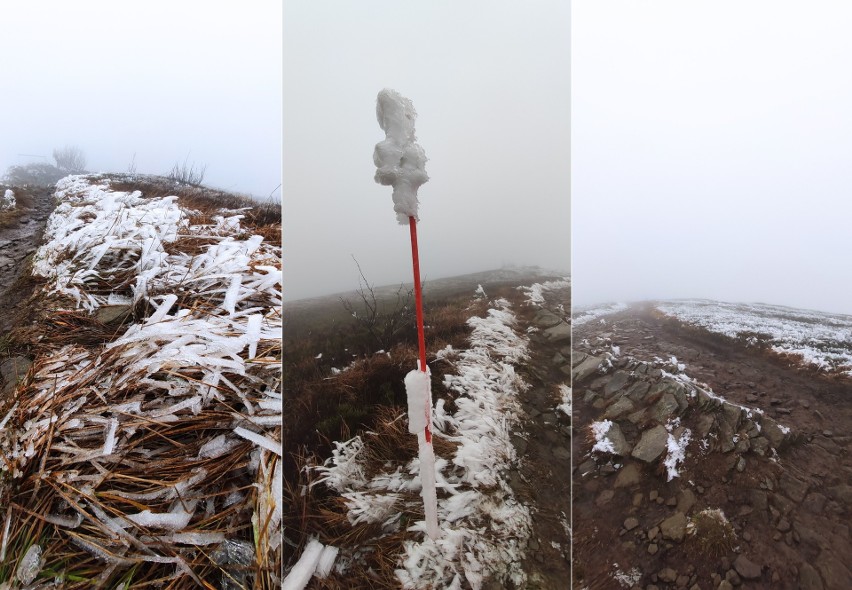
column 418, row 389
column 399, row 159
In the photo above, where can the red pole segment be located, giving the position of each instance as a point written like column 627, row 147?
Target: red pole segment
column 418, row 299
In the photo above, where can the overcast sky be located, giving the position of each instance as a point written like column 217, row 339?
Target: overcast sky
column 712, row 152
column 163, row 80
column 491, row 85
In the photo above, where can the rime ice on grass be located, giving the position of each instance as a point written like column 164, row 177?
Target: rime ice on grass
column 399, row 159
column 599, row 431
column 7, row 201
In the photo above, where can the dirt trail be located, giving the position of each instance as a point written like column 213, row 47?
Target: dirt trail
column 543, row 480
column 790, row 513
column 16, row 243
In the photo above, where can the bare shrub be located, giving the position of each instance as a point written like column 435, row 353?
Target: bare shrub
column 385, row 322
column 70, row 159
column 187, row 173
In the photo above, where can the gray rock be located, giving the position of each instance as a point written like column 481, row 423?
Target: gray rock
column 773, row 433
column 638, row 390
column 619, row 408
column 809, row 578
column 685, row 501
column 111, row 313
column 618, row 381
column 652, row 444
column 705, row 423
column 814, row 503
column 667, row 574
column 586, row 368
column 833, row 572
column 562, row 453
column 631, row 523
column 619, row 444
column 760, row 446
column 674, row 527
column 664, row 408
column 746, row 568
column 732, row 415
column 546, row 319
column 558, row 333
column 792, row 487
column 629, row 475
column 13, row 370
column 841, row 492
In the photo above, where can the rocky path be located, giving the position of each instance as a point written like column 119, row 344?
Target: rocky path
column 786, row 494
column 16, row 243
column 543, row 480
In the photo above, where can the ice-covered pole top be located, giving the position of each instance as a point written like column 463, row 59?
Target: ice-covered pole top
column 400, row 161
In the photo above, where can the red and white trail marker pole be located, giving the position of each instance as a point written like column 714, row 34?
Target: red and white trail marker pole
column 401, row 163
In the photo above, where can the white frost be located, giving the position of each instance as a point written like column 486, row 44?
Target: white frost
column 599, row 431
column 419, row 394
column 399, row 159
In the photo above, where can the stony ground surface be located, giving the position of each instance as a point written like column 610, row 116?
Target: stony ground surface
column 17, row 243
column 786, row 494
column 544, row 447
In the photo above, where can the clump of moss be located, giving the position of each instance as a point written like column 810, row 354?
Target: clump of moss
column 710, row 533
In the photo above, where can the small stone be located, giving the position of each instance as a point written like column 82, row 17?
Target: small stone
column 808, row 577
column 659, row 500
column 682, row 581
column 674, row 527
column 653, row 548
column 725, row 585
column 652, row 534
column 667, row 574
column 604, row 497
column 671, row 502
column 747, row 536
column 652, row 495
column 732, row 577
column 631, row 523
column 746, row 568
column 827, row 433
column 783, row 525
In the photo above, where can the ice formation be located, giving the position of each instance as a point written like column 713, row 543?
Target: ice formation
column 399, row 159
column 8, row 200
column 316, row 560
column 418, row 390
column 484, row 387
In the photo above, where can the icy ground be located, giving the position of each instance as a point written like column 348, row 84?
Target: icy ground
column 582, row 316
column 822, row 340
column 133, row 444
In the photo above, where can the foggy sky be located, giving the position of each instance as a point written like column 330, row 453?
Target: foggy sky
column 490, row 83
column 711, row 152
column 163, row 80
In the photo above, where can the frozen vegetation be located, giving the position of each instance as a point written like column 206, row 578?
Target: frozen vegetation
column 483, row 527
column 158, row 449
column 821, row 340
column 582, row 316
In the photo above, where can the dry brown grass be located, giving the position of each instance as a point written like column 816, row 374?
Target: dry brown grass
column 68, row 474
column 25, row 198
